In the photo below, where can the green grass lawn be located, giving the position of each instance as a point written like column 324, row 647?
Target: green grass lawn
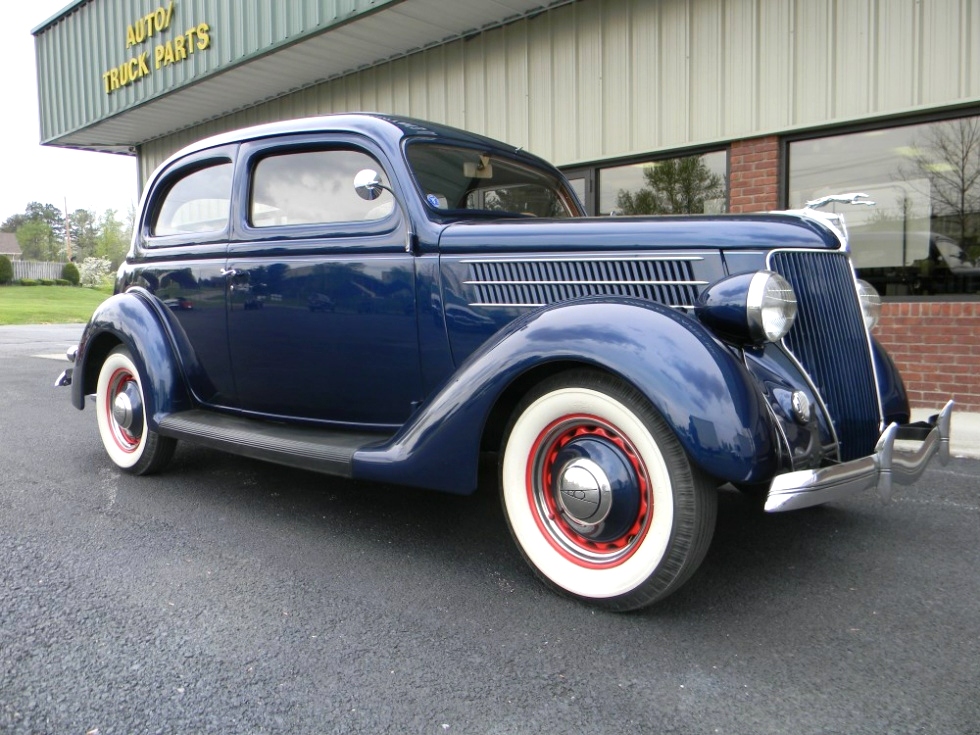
column 48, row 304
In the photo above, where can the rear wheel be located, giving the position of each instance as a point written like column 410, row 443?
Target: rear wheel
column 600, row 496
column 120, row 403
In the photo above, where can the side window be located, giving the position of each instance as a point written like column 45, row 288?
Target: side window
column 198, row 202
column 313, row 187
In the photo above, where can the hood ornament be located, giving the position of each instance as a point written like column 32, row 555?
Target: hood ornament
column 833, row 220
column 852, row 198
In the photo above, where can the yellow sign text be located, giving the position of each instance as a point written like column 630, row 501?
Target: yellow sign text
column 126, row 73
column 177, row 50
column 165, row 52
column 155, row 22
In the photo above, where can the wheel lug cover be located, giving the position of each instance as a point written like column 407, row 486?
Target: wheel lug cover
column 127, row 408
column 584, row 492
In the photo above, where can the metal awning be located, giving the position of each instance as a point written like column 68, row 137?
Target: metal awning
column 392, row 30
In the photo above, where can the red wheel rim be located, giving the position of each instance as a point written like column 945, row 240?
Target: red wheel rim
column 552, row 522
column 124, row 439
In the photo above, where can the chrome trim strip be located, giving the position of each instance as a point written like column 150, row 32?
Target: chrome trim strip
column 805, row 488
column 585, row 259
column 486, row 305
column 585, row 283
column 532, row 306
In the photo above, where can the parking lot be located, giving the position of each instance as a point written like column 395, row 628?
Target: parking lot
column 228, row 595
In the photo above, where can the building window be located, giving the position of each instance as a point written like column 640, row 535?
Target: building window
column 922, row 238
column 687, row 185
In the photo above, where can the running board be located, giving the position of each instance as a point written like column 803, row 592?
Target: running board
column 308, row 448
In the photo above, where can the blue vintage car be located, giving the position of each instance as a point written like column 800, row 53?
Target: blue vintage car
column 384, row 299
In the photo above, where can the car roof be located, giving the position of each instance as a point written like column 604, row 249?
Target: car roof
column 371, row 124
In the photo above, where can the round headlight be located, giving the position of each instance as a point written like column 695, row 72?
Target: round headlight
column 770, row 306
column 870, row 303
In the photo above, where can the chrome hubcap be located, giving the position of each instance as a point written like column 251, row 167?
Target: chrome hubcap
column 584, row 492
column 127, row 409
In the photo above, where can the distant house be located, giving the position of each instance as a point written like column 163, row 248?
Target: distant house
column 9, row 245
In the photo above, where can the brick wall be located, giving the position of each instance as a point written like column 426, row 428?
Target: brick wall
column 753, row 184
column 936, row 346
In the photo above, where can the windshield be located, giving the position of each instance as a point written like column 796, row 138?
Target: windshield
column 461, row 180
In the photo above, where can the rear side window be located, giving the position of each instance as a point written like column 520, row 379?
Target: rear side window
column 313, row 187
column 198, row 202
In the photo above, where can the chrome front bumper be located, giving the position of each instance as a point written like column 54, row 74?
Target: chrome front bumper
column 804, row 488
column 65, row 378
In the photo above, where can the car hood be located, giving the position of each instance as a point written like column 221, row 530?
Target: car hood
column 724, row 232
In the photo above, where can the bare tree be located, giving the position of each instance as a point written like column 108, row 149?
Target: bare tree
column 948, row 157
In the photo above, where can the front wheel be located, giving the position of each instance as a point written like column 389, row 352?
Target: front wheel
column 120, row 402
column 600, row 496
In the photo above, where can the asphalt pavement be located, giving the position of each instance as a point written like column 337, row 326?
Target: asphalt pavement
column 230, row 596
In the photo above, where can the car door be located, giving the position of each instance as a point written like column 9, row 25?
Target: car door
column 183, row 241
column 322, row 314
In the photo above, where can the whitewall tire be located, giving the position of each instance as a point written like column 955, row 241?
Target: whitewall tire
column 120, row 403
column 600, row 496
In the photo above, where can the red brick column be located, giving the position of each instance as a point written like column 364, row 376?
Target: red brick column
column 753, row 184
column 936, row 345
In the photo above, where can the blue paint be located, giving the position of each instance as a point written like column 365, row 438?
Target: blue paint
column 377, row 325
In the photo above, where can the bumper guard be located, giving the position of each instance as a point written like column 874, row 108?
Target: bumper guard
column 804, row 488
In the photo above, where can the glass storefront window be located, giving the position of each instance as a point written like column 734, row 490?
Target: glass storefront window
column 922, row 238
column 686, row 185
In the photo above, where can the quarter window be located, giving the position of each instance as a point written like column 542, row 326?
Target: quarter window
column 198, row 202
column 314, row 187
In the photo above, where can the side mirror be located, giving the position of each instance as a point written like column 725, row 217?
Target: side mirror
column 367, row 184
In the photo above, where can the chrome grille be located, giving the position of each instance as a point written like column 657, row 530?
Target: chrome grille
column 831, row 343
column 536, row 282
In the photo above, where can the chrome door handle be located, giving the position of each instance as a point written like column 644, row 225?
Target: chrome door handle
column 229, row 272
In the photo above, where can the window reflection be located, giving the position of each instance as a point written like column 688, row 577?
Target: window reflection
column 199, row 202
column 685, row 185
column 313, row 187
column 923, row 235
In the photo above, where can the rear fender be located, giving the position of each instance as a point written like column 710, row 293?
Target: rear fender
column 131, row 319
column 704, row 393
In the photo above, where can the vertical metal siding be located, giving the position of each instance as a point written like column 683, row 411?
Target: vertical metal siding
column 645, row 98
column 586, row 36
column 601, row 79
column 853, row 54
column 813, row 83
column 74, row 52
column 740, row 64
column 774, row 67
column 675, row 80
column 617, row 71
column 941, row 39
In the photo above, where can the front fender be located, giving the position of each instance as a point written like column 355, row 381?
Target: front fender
column 894, row 399
column 131, row 319
column 703, row 392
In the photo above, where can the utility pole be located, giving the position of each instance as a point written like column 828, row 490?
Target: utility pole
column 67, row 232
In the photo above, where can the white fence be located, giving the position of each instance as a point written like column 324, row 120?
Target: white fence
column 35, row 270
